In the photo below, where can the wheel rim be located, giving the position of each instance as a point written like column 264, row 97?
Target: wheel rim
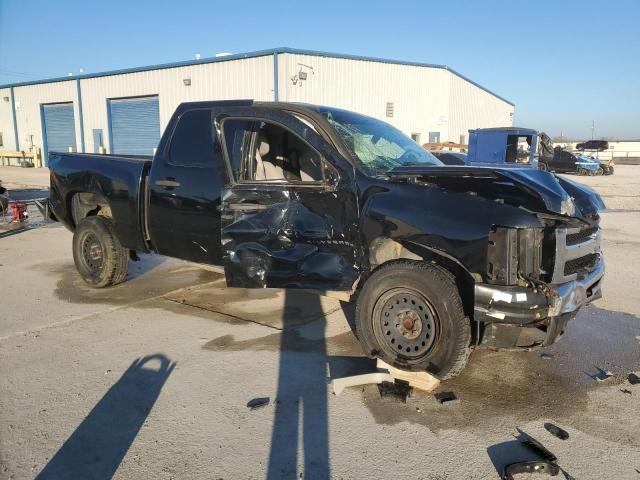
column 91, row 253
column 542, row 167
column 406, row 322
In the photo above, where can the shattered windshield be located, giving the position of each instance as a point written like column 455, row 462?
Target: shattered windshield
column 377, row 146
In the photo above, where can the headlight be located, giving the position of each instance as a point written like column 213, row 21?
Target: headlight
column 568, row 207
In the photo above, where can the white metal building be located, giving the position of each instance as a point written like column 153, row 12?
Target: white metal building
column 125, row 111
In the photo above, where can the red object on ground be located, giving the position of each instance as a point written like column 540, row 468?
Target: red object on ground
column 18, row 211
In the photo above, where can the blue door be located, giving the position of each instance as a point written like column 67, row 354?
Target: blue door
column 59, row 128
column 134, row 125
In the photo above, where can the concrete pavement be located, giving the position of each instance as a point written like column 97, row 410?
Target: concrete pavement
column 150, row 379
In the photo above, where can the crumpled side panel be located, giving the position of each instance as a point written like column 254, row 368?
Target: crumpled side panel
column 286, row 238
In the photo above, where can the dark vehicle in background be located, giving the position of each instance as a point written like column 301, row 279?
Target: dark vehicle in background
column 606, row 167
column 568, row 162
column 450, row 158
column 562, row 161
column 439, row 259
column 597, row 145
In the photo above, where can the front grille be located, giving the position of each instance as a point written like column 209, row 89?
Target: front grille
column 581, row 236
column 582, row 264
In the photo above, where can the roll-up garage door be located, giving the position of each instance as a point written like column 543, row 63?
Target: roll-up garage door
column 59, row 128
column 134, row 125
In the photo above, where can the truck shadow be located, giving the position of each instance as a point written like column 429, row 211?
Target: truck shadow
column 97, row 446
column 301, row 401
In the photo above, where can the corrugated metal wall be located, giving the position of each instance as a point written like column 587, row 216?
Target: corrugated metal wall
column 471, row 107
column 246, row 78
column 420, row 95
column 6, row 120
column 424, row 99
column 29, row 98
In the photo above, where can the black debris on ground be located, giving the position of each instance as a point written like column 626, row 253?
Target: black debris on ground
column 546, row 356
column 398, row 389
column 601, row 375
column 556, row 431
column 536, row 446
column 542, row 466
column 259, row 402
column 633, row 379
column 447, row 398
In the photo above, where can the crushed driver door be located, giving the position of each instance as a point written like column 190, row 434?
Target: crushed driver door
column 289, row 213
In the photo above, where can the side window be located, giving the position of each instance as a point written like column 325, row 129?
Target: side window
column 264, row 152
column 238, row 138
column 192, row 142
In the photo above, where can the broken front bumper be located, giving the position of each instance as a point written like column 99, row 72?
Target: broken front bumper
column 546, row 310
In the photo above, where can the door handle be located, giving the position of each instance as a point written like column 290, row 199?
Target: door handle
column 167, row 183
column 246, row 207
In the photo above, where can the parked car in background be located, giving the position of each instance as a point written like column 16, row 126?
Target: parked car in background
column 587, row 166
column 599, row 145
column 438, row 259
column 568, row 162
column 606, row 166
column 450, row 158
column 562, row 161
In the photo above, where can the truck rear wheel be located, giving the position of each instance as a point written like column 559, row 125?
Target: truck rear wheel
column 99, row 257
column 410, row 315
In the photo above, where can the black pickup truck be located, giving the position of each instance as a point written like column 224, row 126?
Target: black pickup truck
column 439, row 259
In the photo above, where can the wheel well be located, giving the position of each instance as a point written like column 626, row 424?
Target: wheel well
column 84, row 204
column 384, row 251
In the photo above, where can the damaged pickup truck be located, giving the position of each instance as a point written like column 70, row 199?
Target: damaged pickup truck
column 439, row 259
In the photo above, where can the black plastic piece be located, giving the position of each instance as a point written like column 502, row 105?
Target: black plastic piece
column 398, row 389
column 259, row 402
column 536, row 446
column 446, row 398
column 556, row 431
column 539, row 466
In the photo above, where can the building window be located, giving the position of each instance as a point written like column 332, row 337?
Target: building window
column 1, row 142
column 416, row 138
column 389, row 109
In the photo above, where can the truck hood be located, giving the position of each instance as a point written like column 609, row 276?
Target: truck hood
column 556, row 194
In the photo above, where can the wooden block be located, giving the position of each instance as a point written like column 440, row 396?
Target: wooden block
column 339, row 384
column 420, row 380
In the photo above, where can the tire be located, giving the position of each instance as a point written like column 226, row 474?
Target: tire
column 431, row 332
column 600, row 171
column 100, row 259
column 543, row 166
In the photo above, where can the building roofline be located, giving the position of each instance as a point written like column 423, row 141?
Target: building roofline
column 254, row 54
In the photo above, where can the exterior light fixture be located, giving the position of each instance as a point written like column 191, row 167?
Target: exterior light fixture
column 186, row 81
column 6, row 99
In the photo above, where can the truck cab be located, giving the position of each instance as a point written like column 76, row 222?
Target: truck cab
column 506, row 146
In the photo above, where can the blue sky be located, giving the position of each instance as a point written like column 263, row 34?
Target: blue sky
column 563, row 63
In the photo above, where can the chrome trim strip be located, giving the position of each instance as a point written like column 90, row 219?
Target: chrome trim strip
column 572, row 295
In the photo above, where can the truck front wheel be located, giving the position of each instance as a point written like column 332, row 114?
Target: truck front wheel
column 410, row 315
column 99, row 257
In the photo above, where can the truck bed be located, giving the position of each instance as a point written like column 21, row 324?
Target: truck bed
column 117, row 178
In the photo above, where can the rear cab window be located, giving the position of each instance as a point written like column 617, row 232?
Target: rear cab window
column 192, row 143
